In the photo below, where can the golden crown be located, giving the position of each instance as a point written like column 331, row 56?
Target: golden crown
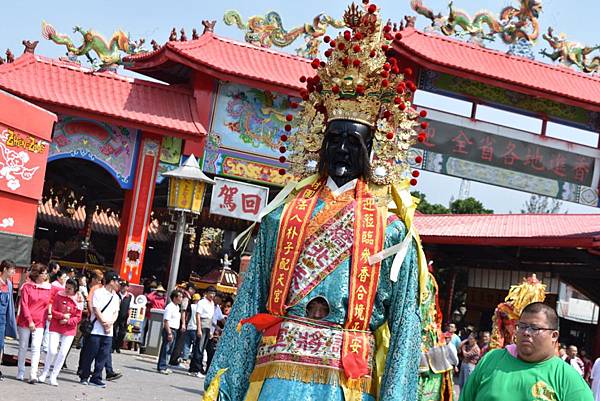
column 362, row 81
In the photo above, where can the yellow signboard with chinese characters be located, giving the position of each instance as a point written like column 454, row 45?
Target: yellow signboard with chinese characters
column 186, row 195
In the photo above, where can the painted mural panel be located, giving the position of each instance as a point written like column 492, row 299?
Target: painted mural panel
column 247, row 136
column 113, row 147
column 170, row 156
column 170, row 150
column 230, row 163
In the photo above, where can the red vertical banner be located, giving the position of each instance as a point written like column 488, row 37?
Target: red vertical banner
column 135, row 215
column 369, row 231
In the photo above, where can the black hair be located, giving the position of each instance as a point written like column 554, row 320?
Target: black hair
column 175, row 294
column 110, row 276
column 7, row 264
column 52, row 265
column 72, row 282
column 540, row 307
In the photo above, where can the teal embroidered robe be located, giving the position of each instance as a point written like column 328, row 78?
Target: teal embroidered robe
column 395, row 302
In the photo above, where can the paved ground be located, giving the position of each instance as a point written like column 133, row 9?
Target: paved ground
column 139, row 382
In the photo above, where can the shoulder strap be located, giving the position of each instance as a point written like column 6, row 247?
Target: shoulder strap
column 105, row 306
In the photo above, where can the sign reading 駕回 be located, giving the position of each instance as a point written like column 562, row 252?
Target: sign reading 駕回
column 238, row 199
column 507, row 157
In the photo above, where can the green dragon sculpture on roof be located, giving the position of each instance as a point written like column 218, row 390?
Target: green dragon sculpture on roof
column 268, row 30
column 109, row 52
column 571, row 53
column 512, row 25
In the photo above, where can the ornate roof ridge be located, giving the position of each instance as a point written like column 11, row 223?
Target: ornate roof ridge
column 407, row 32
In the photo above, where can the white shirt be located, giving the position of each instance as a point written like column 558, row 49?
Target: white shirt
column 452, row 354
column 192, row 323
column 576, row 363
column 172, row 315
column 205, row 308
column 337, row 191
column 218, row 315
column 596, row 380
column 100, row 299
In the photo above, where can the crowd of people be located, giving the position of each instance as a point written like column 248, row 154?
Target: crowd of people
column 55, row 310
column 191, row 328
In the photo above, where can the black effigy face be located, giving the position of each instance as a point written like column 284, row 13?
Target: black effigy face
column 345, row 151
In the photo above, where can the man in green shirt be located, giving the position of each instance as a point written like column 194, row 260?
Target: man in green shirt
column 529, row 371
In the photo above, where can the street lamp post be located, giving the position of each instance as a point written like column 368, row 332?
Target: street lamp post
column 187, row 186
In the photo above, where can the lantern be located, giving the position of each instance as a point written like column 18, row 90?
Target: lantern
column 187, row 186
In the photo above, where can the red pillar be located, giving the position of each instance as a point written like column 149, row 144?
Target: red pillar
column 135, row 215
column 205, row 89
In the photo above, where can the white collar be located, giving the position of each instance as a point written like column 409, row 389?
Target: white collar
column 337, row 191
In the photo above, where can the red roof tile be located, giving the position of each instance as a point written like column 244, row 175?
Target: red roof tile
column 455, row 57
column 142, row 104
column 232, row 58
column 543, row 230
column 102, row 223
column 105, row 224
column 437, row 52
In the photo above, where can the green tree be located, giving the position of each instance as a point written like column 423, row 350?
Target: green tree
column 468, row 206
column 542, row 204
column 429, row 208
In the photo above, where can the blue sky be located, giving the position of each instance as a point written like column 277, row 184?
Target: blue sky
column 155, row 19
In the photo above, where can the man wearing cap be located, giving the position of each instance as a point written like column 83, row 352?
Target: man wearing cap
column 205, row 311
column 105, row 309
column 121, row 324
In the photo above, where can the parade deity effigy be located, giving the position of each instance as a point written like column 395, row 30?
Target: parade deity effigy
column 337, row 261
column 506, row 315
